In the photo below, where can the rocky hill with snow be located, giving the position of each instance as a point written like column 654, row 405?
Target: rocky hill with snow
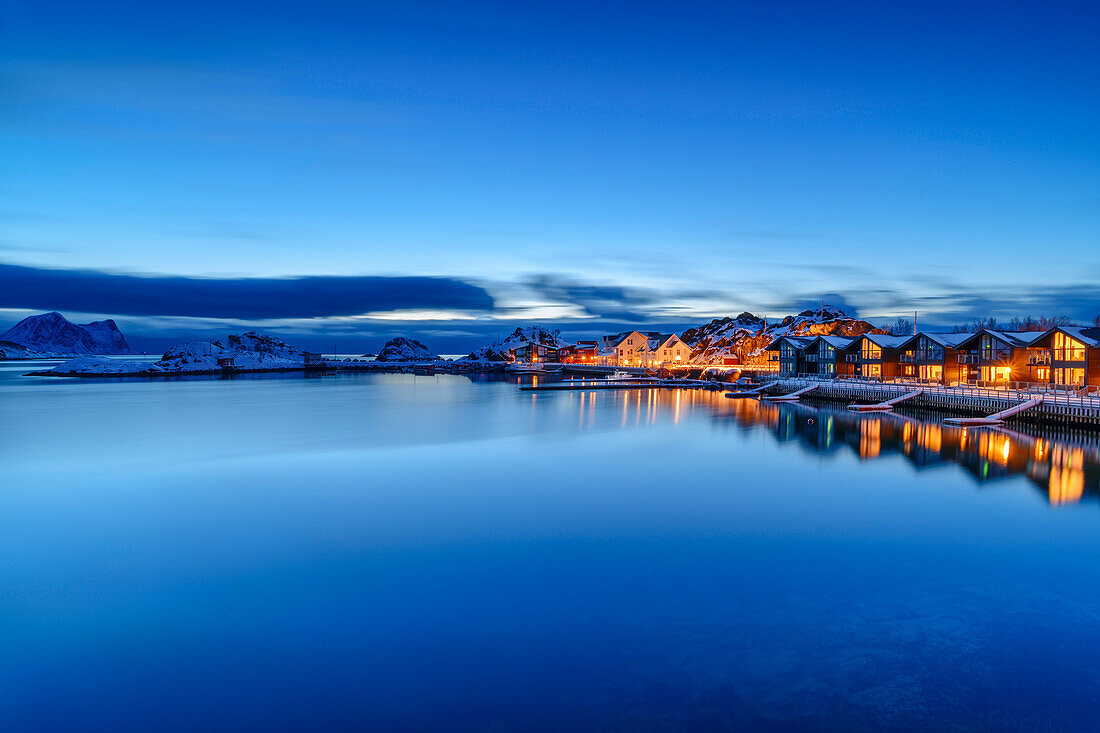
column 405, row 349
column 51, row 334
column 249, row 351
column 747, row 335
column 499, row 350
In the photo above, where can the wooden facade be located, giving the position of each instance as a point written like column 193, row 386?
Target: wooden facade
column 789, row 352
column 873, row 356
column 931, row 357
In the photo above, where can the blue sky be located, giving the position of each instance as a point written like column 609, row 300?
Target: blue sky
column 581, row 163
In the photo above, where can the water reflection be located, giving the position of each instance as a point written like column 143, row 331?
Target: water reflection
column 1064, row 465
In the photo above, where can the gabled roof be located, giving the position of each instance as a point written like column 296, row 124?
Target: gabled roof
column 617, row 338
column 799, row 342
column 1089, row 336
column 947, row 340
column 661, row 340
column 838, row 342
column 1012, row 338
column 882, row 340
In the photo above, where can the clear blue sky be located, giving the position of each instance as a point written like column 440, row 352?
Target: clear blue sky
column 580, row 162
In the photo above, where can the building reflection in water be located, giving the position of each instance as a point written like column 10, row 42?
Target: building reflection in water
column 1065, row 465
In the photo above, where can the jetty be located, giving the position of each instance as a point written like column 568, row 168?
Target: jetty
column 745, row 393
column 886, row 405
column 1062, row 407
column 790, row 396
column 996, row 418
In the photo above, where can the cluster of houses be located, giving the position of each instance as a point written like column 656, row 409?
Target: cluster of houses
column 628, row 348
column 1064, row 355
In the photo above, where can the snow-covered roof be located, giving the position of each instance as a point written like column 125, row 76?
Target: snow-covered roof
column 838, row 342
column 1012, row 338
column 947, row 340
column 883, row 340
column 1088, row 336
column 799, row 342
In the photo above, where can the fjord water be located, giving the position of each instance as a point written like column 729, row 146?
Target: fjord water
column 392, row 552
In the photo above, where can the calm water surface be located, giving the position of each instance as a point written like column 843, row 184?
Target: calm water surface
column 380, row 552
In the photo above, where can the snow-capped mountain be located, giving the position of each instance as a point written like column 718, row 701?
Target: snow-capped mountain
column 498, row 351
column 405, row 349
column 51, row 334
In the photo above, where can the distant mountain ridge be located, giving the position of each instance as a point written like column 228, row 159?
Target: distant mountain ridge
column 53, row 334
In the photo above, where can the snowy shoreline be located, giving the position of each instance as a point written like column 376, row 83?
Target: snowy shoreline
column 121, row 369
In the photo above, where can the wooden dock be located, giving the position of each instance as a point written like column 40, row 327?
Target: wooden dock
column 996, row 418
column 886, row 405
column 1056, row 408
column 790, row 396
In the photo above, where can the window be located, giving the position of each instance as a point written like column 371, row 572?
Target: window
column 1067, row 349
column 931, row 372
column 1070, row 377
column 870, row 351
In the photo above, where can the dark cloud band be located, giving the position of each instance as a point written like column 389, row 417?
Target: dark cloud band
column 90, row 291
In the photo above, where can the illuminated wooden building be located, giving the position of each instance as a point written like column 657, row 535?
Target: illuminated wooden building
column 531, row 352
column 1073, row 355
column 789, row 351
column 582, row 352
column 992, row 358
column 824, row 353
column 872, row 356
column 931, row 357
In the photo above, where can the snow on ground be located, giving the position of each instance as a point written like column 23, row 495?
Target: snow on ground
column 249, row 351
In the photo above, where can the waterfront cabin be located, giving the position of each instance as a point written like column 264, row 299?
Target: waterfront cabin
column 666, row 348
column 531, row 352
column 931, row 357
column 627, row 348
column 995, row 358
column 1072, row 353
column 788, row 351
column 823, row 353
column 583, row 352
column 873, row 356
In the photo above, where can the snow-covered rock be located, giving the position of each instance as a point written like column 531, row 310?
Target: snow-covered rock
column 748, row 335
column 500, row 350
column 248, row 351
column 405, row 349
column 102, row 365
column 53, row 334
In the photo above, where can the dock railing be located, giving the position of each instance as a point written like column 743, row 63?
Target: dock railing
column 1054, row 395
